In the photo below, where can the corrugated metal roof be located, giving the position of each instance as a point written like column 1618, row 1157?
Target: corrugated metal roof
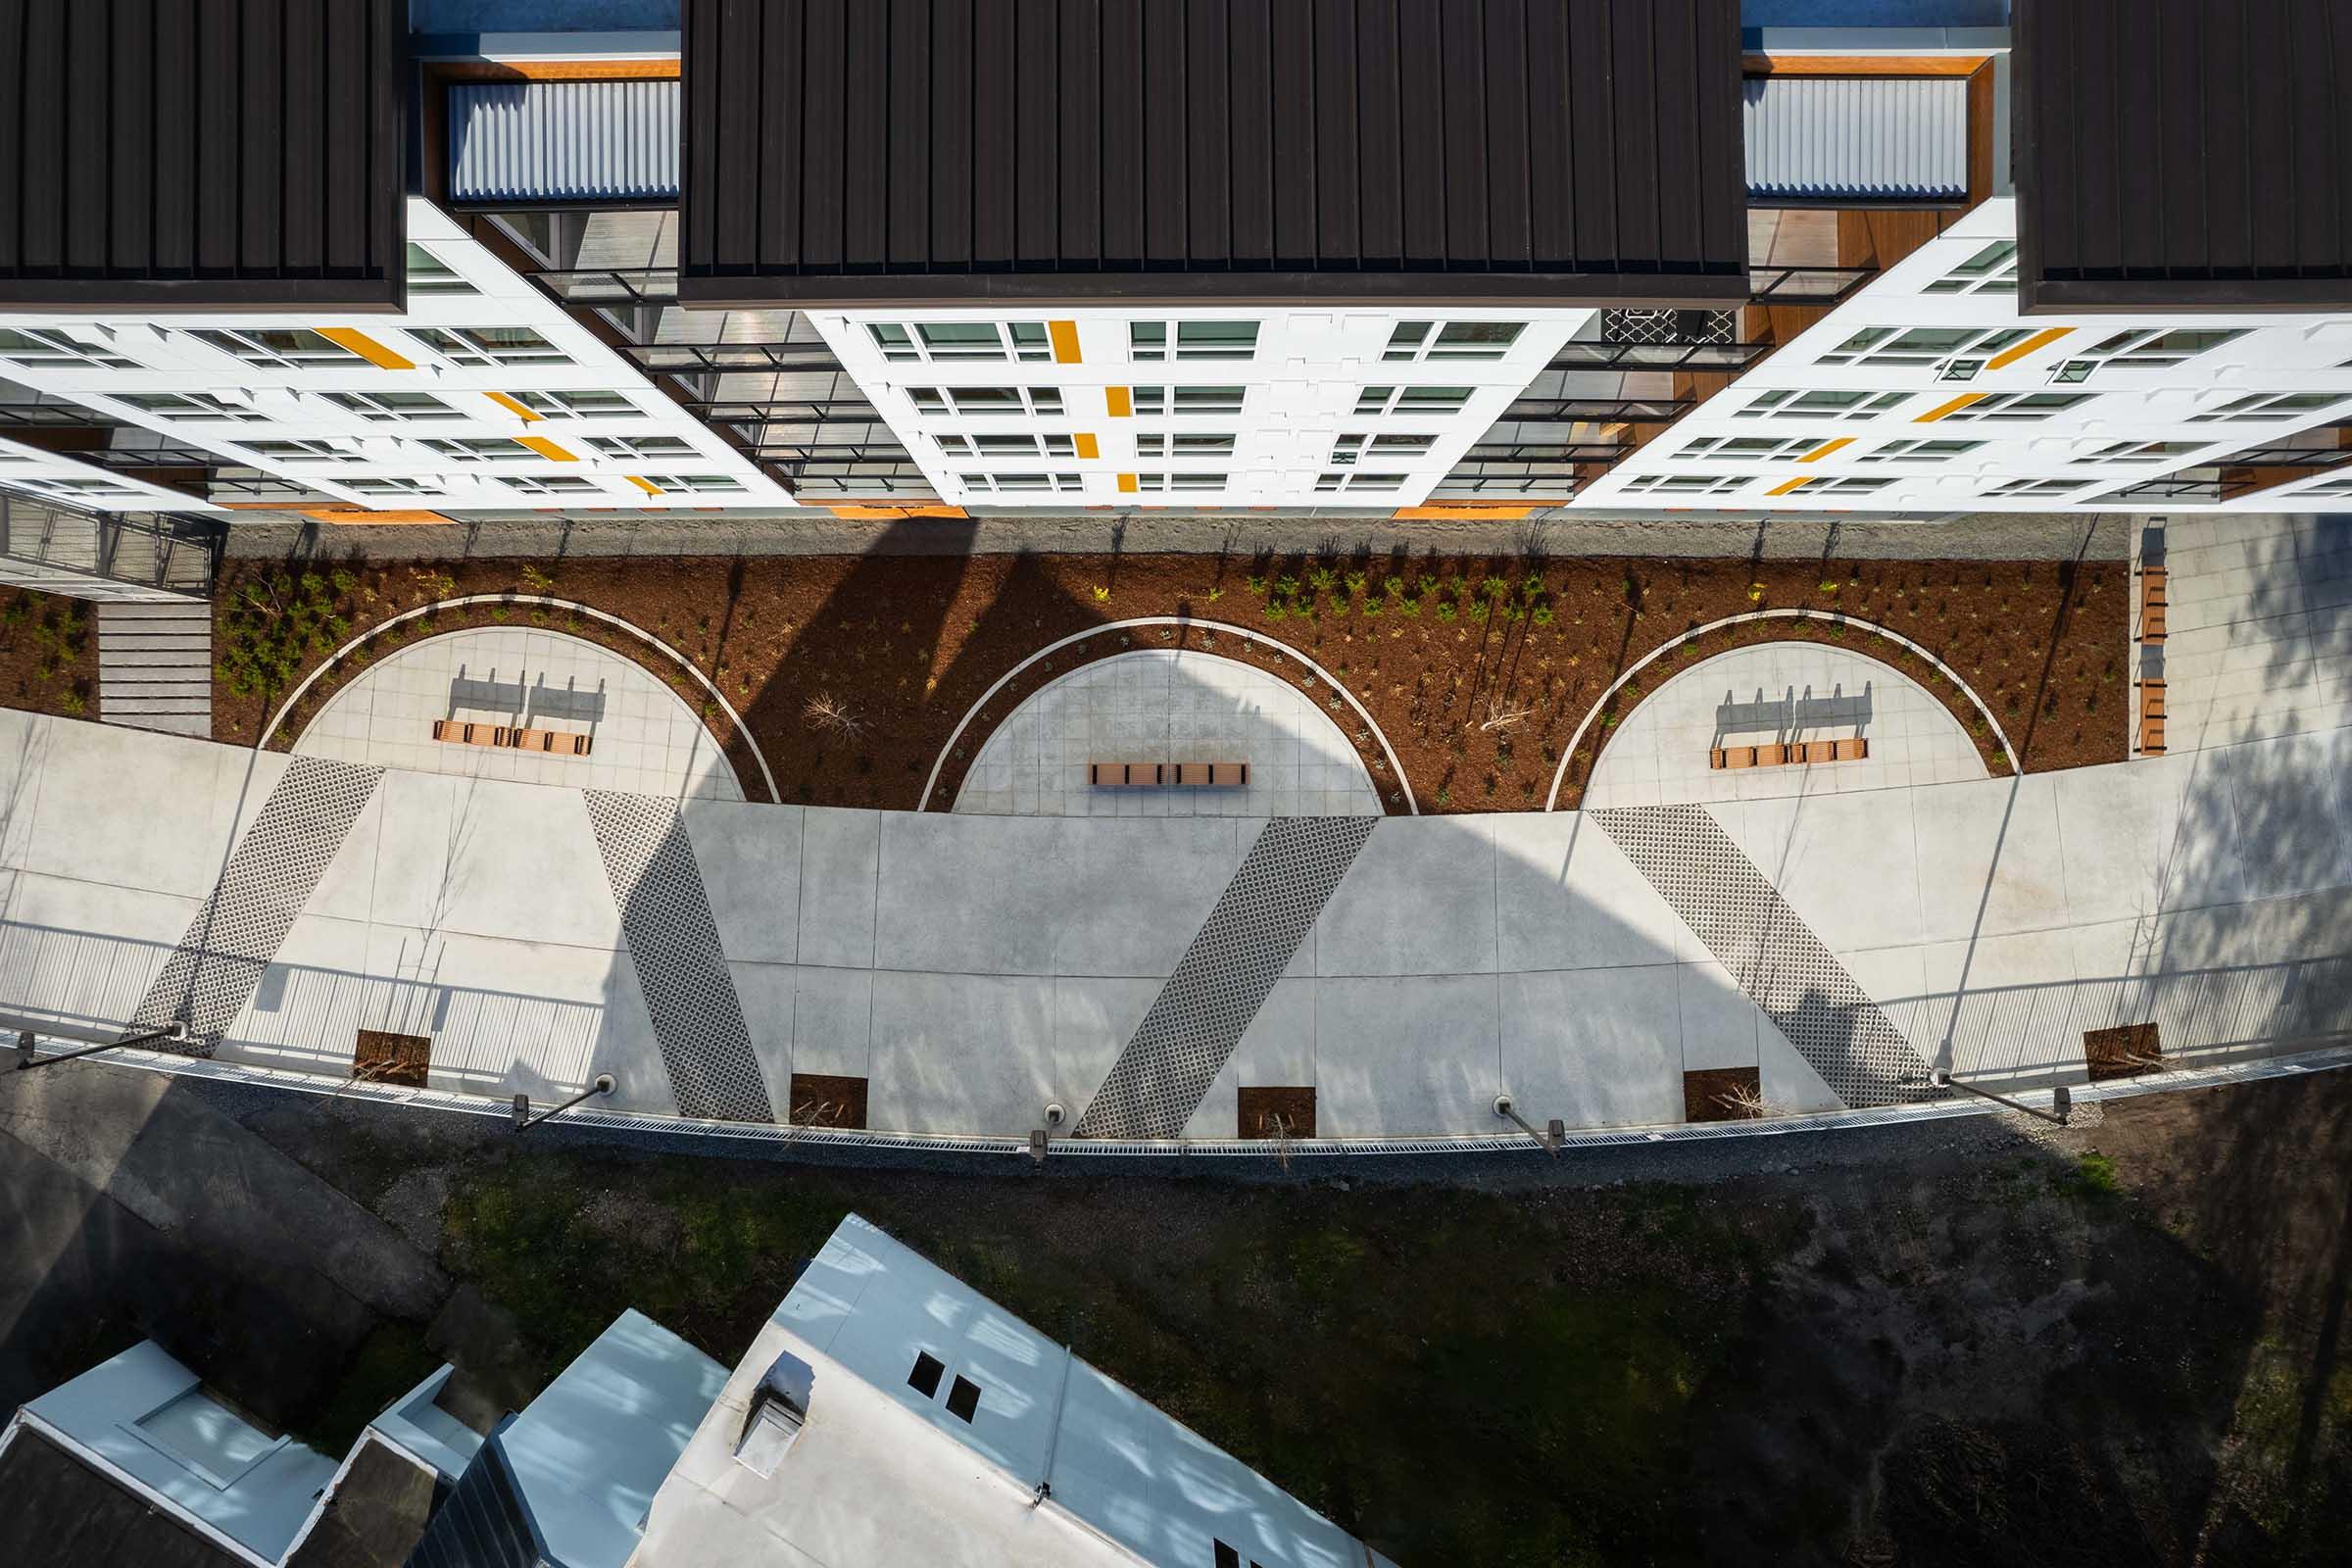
column 1882, row 138
column 896, row 150
column 230, row 157
column 563, row 141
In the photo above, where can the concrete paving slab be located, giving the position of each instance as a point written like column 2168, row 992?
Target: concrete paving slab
column 1421, row 1055
column 310, row 1002
column 1989, row 858
column 840, row 852
column 953, row 1052
column 768, row 994
column 1813, row 849
column 102, row 814
column 1567, row 898
column 2293, row 831
column 1718, row 1024
column 980, row 897
column 1598, row 1048
column 832, row 1020
column 750, row 859
column 1379, row 920
column 1093, row 1018
column 84, row 954
column 1126, row 926
column 2004, row 1009
column 1278, row 1049
column 527, row 865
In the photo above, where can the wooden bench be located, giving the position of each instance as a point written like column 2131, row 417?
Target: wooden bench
column 548, row 740
column 1212, row 776
column 1123, row 776
column 1808, row 752
column 1181, row 775
column 2152, row 602
column 2151, row 717
column 449, row 729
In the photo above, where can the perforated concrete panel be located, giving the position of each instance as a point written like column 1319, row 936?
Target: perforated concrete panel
column 1224, row 976
column 269, row 876
column 1773, row 955
column 666, row 915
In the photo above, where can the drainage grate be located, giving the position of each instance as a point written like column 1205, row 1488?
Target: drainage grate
column 1774, row 957
column 1223, row 978
column 673, row 941
column 269, row 876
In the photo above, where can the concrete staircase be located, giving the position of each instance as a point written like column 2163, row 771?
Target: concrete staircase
column 155, row 665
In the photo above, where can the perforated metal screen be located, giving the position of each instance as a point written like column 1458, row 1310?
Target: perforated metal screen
column 1224, row 977
column 673, row 942
column 271, row 875
column 1773, row 955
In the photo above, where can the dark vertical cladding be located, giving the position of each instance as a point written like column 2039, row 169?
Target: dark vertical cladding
column 1565, row 151
column 2183, row 154
column 201, row 154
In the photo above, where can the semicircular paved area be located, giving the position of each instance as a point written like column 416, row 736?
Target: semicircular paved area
column 1164, row 705
column 1772, row 694
column 644, row 738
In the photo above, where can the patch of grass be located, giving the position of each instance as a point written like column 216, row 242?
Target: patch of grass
column 2093, row 1176
column 391, row 1361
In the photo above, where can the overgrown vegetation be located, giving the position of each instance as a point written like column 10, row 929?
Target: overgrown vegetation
column 49, row 640
column 271, row 628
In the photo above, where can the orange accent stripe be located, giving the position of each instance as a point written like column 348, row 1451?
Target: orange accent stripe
column 2018, row 351
column 646, row 485
column 899, row 511
column 512, row 404
column 1122, row 405
column 1432, row 514
column 1127, row 484
column 1784, row 489
column 359, row 515
column 1065, row 341
column 1766, row 65
column 1826, row 448
column 546, row 448
column 555, row 70
column 1953, row 407
column 366, row 348
column 1087, row 446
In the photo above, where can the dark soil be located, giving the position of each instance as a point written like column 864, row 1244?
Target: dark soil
column 1276, row 1113
column 827, row 1100
column 1717, row 1094
column 49, row 655
column 896, row 649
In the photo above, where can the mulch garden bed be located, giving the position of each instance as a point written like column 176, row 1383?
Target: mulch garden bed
column 49, row 655
column 852, row 671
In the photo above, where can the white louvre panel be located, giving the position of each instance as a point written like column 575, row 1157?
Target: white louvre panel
column 563, row 141
column 1882, row 138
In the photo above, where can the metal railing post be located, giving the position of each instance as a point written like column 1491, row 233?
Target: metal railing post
column 176, row 1031
column 524, row 1120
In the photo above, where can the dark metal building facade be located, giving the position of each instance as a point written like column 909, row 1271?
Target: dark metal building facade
column 2183, row 154
column 861, row 151
column 201, row 154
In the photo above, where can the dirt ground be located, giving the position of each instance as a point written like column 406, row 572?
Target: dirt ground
column 2117, row 1345
column 1476, row 670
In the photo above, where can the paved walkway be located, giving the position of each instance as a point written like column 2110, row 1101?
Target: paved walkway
column 2260, row 628
column 972, row 968
column 646, row 739
column 1776, row 693
column 1167, row 706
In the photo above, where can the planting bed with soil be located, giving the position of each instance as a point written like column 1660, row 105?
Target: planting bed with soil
column 852, row 671
column 49, row 655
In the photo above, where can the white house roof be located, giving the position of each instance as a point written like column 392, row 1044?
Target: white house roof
column 870, row 1480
